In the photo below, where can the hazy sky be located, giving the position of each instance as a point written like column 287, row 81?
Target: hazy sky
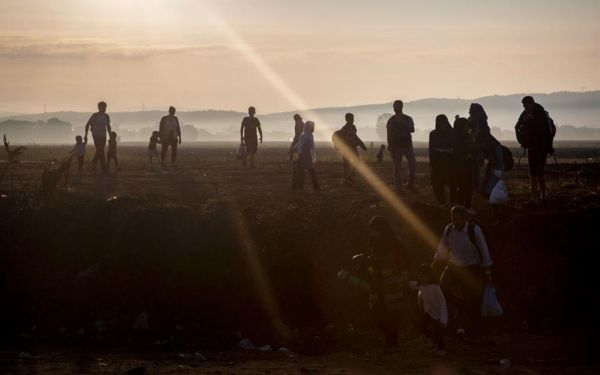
column 281, row 54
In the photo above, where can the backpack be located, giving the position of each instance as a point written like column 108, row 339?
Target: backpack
column 507, row 158
column 337, row 139
column 551, row 133
column 471, row 233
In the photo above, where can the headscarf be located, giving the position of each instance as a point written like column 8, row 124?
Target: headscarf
column 442, row 124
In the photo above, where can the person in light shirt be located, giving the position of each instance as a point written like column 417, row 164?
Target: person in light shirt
column 464, row 253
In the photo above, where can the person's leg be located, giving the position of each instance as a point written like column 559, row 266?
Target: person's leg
column 80, row 164
column 116, row 161
column 173, row 152
column 313, row 177
column 472, row 286
column 438, row 191
column 541, row 179
column 412, row 166
column 397, row 161
column 100, row 143
column 346, row 164
column 438, row 336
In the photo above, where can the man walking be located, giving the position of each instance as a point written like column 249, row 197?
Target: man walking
column 349, row 136
column 298, row 130
column 399, row 129
column 170, row 135
column 534, row 132
column 99, row 124
column 250, row 125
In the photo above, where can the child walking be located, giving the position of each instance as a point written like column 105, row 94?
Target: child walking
column 112, row 150
column 152, row 151
column 306, row 159
column 380, row 154
column 79, row 152
column 433, row 308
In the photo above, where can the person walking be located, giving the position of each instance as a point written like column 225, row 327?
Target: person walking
column 399, row 129
column 306, row 158
column 298, row 130
column 169, row 135
column 463, row 254
column 463, row 164
column 441, row 160
column 535, row 133
column 348, row 135
column 250, row 125
column 99, row 124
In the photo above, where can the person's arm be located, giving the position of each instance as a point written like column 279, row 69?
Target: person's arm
column 242, row 132
column 108, row 127
column 441, row 255
column 161, row 128
column 486, row 260
column 390, row 135
column 178, row 129
column 411, row 125
column 259, row 130
column 89, row 125
column 361, row 144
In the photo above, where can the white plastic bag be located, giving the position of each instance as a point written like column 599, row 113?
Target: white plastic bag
column 499, row 194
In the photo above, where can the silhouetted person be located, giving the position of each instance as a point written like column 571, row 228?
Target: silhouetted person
column 534, row 134
column 99, row 124
column 112, row 151
column 79, row 152
column 463, row 251
column 248, row 130
column 152, row 151
column 399, row 129
column 441, row 158
column 170, row 135
column 306, row 157
column 389, row 279
column 478, row 121
column 433, row 311
column 349, row 136
column 463, row 148
column 298, row 129
column 380, row 154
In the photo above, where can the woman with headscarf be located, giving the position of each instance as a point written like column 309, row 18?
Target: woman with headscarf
column 441, row 158
column 306, row 157
column 480, row 129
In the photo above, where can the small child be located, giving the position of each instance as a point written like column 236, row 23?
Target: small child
column 380, row 154
column 434, row 311
column 79, row 152
column 112, row 150
column 152, row 151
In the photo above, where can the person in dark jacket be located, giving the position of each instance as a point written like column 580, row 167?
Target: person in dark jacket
column 389, row 279
column 464, row 163
column 250, row 125
column 480, row 129
column 170, row 135
column 534, row 134
column 298, row 129
column 349, row 136
column 399, row 129
column 441, row 158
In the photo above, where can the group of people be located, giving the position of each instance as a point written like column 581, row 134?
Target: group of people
column 168, row 135
column 449, row 291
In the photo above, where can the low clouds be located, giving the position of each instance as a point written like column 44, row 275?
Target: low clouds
column 19, row 47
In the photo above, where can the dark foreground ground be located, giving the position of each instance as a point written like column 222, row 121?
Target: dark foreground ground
column 211, row 252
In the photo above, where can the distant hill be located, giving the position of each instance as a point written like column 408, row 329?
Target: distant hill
column 575, row 109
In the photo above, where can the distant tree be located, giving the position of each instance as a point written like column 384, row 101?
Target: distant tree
column 380, row 126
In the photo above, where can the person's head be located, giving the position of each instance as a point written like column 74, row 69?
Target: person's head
column 102, row 107
column 172, row 111
column 461, row 125
column 528, row 103
column 476, row 110
column 78, row 139
column 398, row 106
column 297, row 117
column 309, row 127
column 425, row 274
column 442, row 123
column 113, row 135
column 349, row 118
column 155, row 133
column 251, row 111
column 382, row 147
column 459, row 216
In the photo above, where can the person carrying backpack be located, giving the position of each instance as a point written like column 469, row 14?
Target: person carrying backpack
column 535, row 132
column 348, row 135
column 464, row 255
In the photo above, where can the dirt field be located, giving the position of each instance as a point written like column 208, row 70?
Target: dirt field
column 215, row 252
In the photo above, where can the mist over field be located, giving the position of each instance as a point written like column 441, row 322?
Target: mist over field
column 577, row 114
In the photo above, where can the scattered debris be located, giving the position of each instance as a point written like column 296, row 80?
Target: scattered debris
column 246, row 344
column 25, row 355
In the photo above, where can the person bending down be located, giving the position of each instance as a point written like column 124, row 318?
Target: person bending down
column 433, row 310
